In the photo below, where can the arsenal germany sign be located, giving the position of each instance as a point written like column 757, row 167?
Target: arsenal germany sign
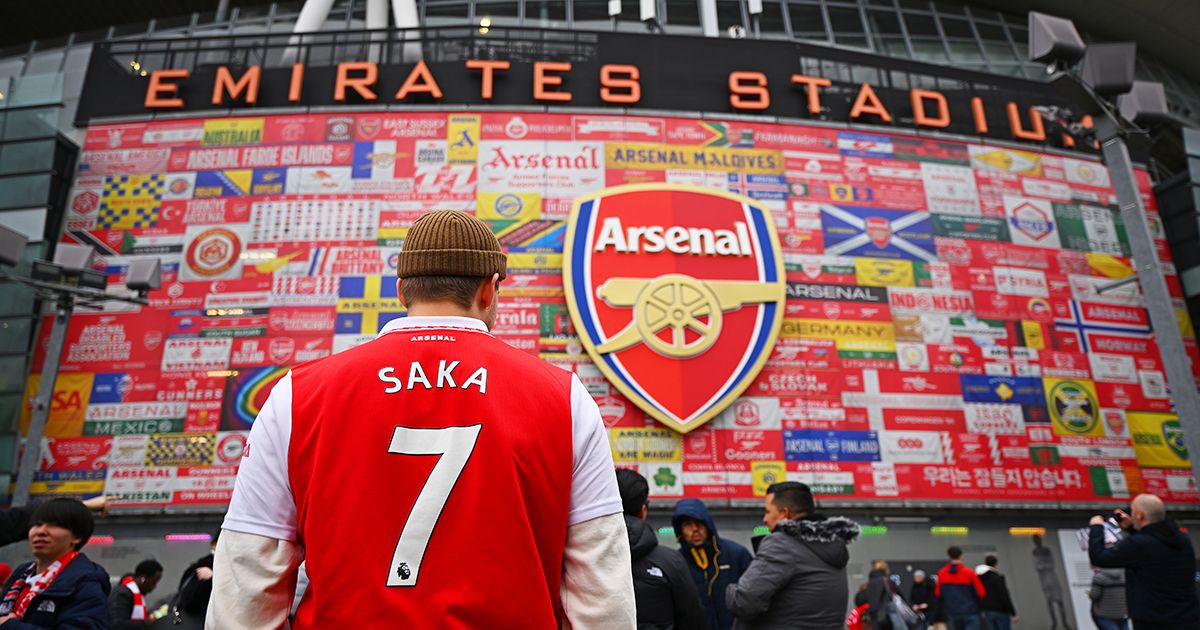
column 677, row 292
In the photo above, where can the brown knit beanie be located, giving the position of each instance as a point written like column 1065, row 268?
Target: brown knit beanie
column 451, row 243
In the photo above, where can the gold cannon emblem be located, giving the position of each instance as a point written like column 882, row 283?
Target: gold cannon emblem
column 677, row 303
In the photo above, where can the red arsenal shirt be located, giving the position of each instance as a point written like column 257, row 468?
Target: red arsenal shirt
column 430, row 475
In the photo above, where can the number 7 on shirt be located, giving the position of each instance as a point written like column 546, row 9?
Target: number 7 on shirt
column 454, row 445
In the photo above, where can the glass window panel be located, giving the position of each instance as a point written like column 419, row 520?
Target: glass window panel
column 956, row 28
column 929, row 50
column 729, row 13
column 884, row 23
column 964, row 50
column 919, row 25
column 546, row 13
column 1020, row 36
column 837, row 71
column 593, row 14
column 807, row 21
column 45, row 62
column 29, row 123
column 990, row 31
column 22, row 191
column 999, row 51
column 500, row 13
column 919, row 5
column 15, row 334
column 15, row 300
column 35, row 89
column 845, row 21
column 10, row 409
column 856, row 41
column 770, row 22
column 12, row 373
column 16, row 157
column 951, row 8
column 446, row 14
column 922, row 82
column 891, row 46
column 867, row 74
column 683, row 13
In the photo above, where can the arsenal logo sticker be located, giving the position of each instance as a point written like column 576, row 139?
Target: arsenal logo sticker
column 677, row 293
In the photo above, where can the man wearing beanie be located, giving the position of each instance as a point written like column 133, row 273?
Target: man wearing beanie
column 432, row 478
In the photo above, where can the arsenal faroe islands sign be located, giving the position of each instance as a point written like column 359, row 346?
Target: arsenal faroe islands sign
column 677, row 293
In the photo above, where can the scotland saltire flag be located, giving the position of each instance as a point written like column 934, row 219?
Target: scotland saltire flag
column 877, row 233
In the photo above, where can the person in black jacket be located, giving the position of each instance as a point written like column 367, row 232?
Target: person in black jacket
column 665, row 594
column 127, row 604
column 715, row 563
column 998, row 610
column 1159, row 566
column 61, row 588
column 880, row 590
column 922, row 598
column 195, row 589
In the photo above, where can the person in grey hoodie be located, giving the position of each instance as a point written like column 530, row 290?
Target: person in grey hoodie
column 1108, row 599
column 798, row 579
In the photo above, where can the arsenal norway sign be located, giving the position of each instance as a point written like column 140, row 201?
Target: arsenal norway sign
column 677, row 292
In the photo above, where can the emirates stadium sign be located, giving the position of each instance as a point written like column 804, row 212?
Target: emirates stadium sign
column 677, row 293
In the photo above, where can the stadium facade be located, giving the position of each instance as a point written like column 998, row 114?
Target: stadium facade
column 944, row 369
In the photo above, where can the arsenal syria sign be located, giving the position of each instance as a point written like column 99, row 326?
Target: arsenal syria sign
column 677, row 293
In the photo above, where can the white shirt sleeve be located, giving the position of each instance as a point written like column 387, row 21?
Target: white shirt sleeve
column 597, row 580
column 262, row 500
column 594, row 479
column 254, row 579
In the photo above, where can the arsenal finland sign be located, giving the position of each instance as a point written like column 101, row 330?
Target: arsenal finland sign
column 677, row 293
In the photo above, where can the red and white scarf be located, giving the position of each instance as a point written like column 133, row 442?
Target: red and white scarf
column 37, row 584
column 139, row 602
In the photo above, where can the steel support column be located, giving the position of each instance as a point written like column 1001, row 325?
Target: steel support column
column 1158, row 300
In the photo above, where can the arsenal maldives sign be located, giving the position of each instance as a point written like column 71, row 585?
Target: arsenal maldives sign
column 677, row 293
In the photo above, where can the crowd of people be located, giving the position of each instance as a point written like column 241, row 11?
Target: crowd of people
column 522, row 461
column 796, row 578
column 63, row 588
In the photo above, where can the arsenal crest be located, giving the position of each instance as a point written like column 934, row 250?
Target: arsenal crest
column 677, row 292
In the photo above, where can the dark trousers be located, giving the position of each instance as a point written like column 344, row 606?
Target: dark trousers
column 1105, row 623
column 965, row 622
column 993, row 620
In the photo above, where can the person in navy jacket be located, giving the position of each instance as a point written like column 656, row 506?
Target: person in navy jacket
column 1159, row 564
column 61, row 588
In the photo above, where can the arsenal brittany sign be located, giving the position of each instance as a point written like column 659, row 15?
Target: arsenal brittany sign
column 677, row 292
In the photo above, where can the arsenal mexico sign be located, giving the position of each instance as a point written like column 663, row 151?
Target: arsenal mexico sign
column 677, row 292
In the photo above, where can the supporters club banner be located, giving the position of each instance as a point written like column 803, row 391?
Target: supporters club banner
column 941, row 337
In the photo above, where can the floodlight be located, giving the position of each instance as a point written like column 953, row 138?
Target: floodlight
column 1145, row 103
column 614, row 8
column 12, row 246
column 93, row 279
column 649, row 9
column 1054, row 40
column 755, row 7
column 74, row 258
column 1108, row 68
column 144, row 274
column 46, row 271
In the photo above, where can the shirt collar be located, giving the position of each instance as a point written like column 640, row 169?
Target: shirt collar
column 407, row 323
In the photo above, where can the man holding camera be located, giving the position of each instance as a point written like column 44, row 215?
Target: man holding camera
column 1159, row 565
